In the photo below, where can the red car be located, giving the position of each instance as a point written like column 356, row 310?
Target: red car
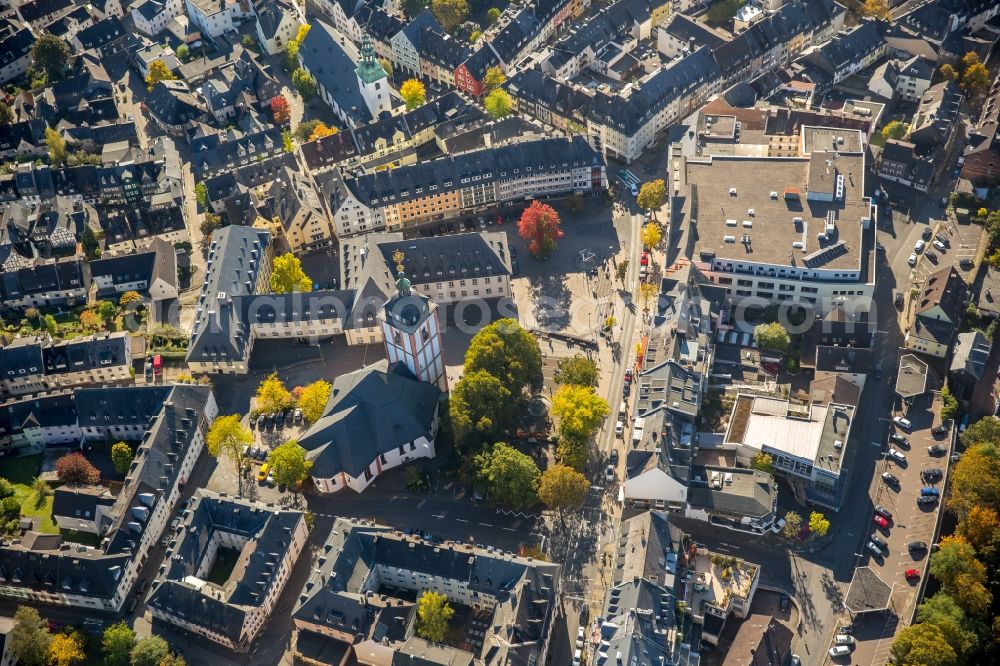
column 644, row 260
column 911, row 573
column 881, row 522
column 628, row 376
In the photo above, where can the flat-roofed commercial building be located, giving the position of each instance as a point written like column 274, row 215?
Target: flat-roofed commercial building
column 783, row 229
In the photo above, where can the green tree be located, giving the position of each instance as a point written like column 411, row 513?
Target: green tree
column 6, row 114
column 305, row 84
column 50, row 55
column 201, row 195
column 287, row 275
column 107, row 310
column 42, row 491
column 479, row 407
column 150, row 651
column 818, row 524
column 763, row 462
column 577, row 369
column 313, row 399
column 413, row 93
column 286, row 142
column 923, row 645
column 158, row 71
column 450, row 13
column 508, row 352
column 433, row 615
column 289, row 464
column 942, row 611
column 961, row 575
column 949, row 405
column 975, row 478
column 56, row 145
column 793, row 524
column 652, row 194
column 227, row 436
column 984, row 431
column 647, row 292
column 292, row 55
column 475, row 35
column 579, row 409
column 492, row 14
column 209, row 224
column 895, row 130
column 650, row 235
column 66, row 649
column 509, row 476
column 494, row 78
column 30, row 638
column 772, row 336
column 117, row 644
column 121, row 457
column 183, row 53
column 572, row 451
column 51, row 325
column 498, row 103
column 272, row 396
column 621, row 270
column 562, row 488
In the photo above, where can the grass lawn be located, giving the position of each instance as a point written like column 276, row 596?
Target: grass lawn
column 82, row 538
column 21, row 471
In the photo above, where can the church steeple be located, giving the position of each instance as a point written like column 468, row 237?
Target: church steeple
column 369, row 69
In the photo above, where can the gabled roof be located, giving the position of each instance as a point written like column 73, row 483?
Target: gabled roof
column 101, row 33
column 370, row 412
column 335, row 70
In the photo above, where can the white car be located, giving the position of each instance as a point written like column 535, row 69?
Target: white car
column 912, row 260
column 919, row 247
column 580, row 634
column 839, row 651
column 903, row 423
column 897, row 455
column 939, row 245
column 843, row 639
column 619, row 428
column 609, row 473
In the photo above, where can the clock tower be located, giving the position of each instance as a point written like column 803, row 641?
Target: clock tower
column 411, row 328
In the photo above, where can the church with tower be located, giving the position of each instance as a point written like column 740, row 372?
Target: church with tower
column 352, row 83
column 411, row 328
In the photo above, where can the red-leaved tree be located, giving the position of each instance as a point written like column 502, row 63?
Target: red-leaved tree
column 74, row 468
column 540, row 226
column 280, row 110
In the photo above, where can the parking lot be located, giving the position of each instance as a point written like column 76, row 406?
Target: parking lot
column 956, row 245
column 910, row 521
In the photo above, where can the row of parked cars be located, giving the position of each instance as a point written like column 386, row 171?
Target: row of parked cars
column 274, row 421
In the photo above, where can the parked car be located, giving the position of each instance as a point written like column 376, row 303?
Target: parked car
column 626, row 390
column 966, row 262
column 912, row 260
column 936, row 450
column 911, row 574
column 939, row 245
column 882, row 511
column 874, row 549
column 919, row 247
column 614, row 456
column 916, row 545
column 939, row 430
column 897, row 455
column 297, row 415
column 931, row 474
column 899, row 439
column 881, row 522
column 843, row 639
column 253, row 421
column 898, row 299
column 609, row 473
column 944, row 240
column 903, row 423
column 839, row 651
column 890, row 479
column 262, row 472
column 628, row 376
column 926, row 500
column 929, row 491
column 783, row 604
column 619, row 428
column 879, row 541
column 926, row 233
column 580, row 634
column 933, row 258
